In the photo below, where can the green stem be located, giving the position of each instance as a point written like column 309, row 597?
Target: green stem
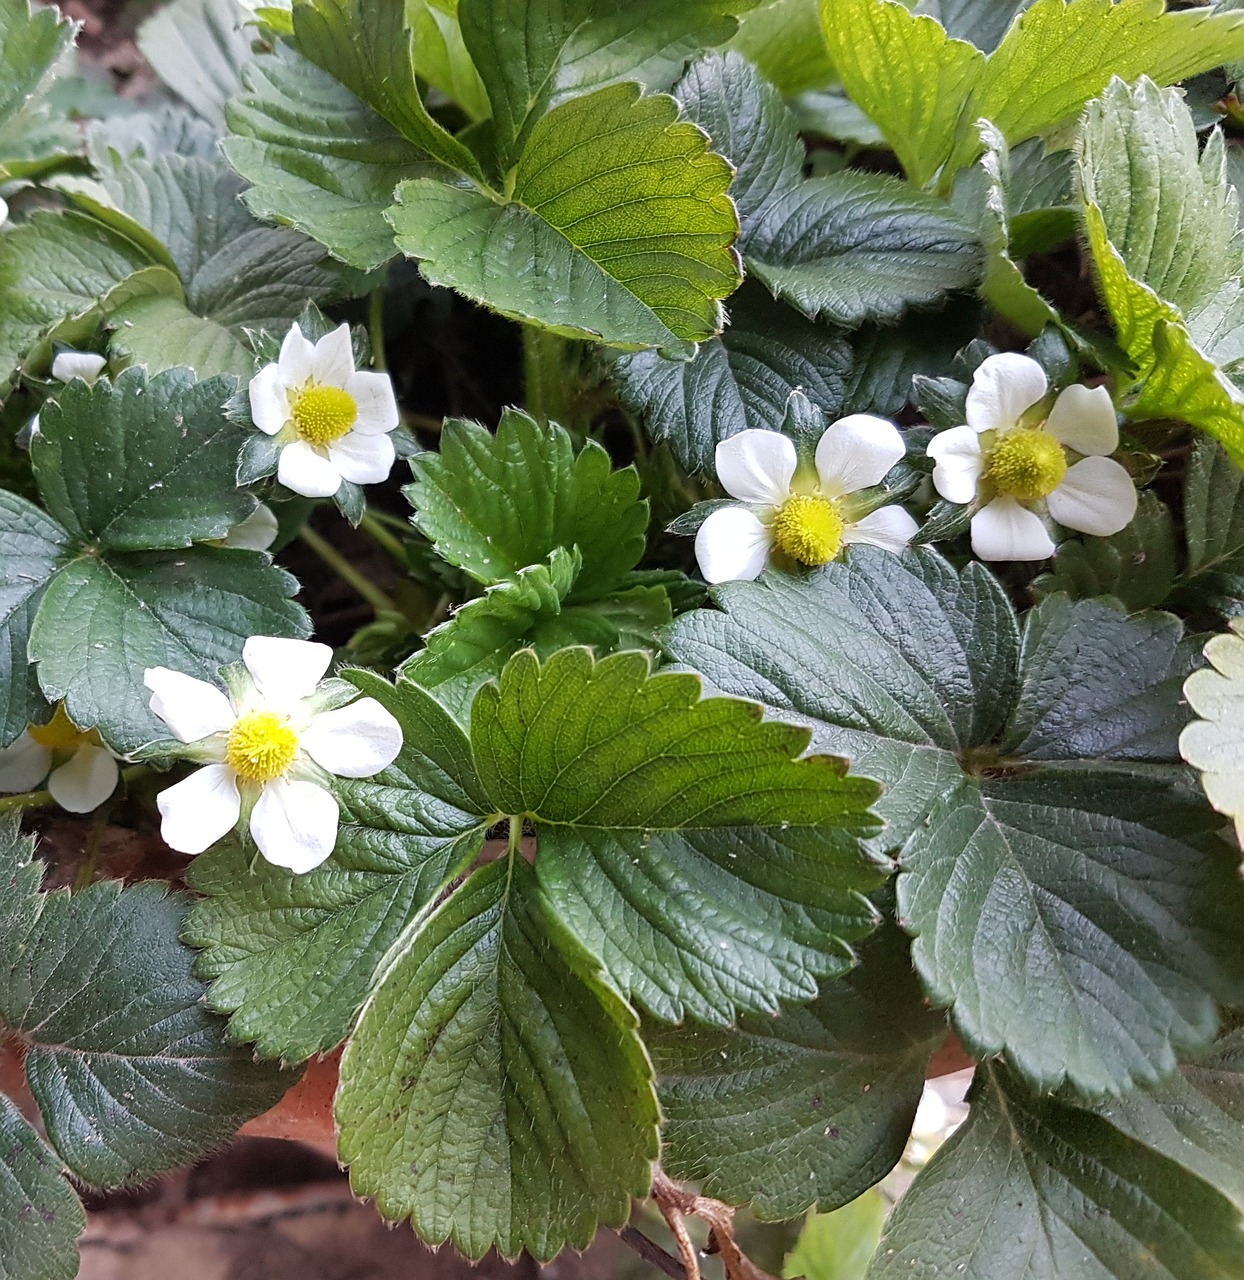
column 379, row 600
column 94, row 839
column 375, row 327
column 516, row 837
column 372, row 526
column 544, row 375
column 26, row 800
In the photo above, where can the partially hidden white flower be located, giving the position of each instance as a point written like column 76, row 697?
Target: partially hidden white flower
column 1020, row 461
column 81, row 772
column 256, row 533
column 331, row 420
column 270, row 745
column 4, row 211
column 1214, row 744
column 804, row 513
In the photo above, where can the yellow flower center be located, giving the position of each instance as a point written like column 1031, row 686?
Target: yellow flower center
column 61, row 734
column 261, row 746
column 1027, row 464
column 808, row 529
column 324, row 414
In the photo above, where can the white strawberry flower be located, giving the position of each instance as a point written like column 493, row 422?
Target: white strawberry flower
column 331, row 420
column 271, row 746
column 81, row 772
column 1022, row 460
column 1214, row 744
column 804, row 513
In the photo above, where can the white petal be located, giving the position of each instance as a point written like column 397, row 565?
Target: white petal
column 296, row 357
column 732, row 544
column 4, row 212
column 256, row 533
column 355, row 741
column 333, row 362
column 959, row 463
column 856, row 452
column 362, row 459
column 373, row 393
column 295, row 824
column 24, row 763
column 191, row 708
column 84, row 781
column 757, row 466
column 1083, row 419
column 1006, row 531
column 306, row 472
column 1096, row 496
column 285, row 670
column 890, row 527
column 269, row 403
column 200, row 809
column 1002, row 389
column 78, row 364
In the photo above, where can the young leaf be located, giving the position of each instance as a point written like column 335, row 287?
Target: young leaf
column 495, row 1091
column 293, row 956
column 1034, row 1189
column 142, row 463
column 994, row 845
column 32, row 548
column 198, row 49
column 495, row 504
column 40, row 1217
column 618, row 227
column 838, row 1083
column 104, row 621
column 133, row 1076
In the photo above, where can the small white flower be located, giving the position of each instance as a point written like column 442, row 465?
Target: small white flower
column 81, row 772
column 86, row 365
column 4, row 211
column 272, row 744
column 803, row 513
column 1215, row 743
column 1019, row 461
column 332, row 421
column 256, row 533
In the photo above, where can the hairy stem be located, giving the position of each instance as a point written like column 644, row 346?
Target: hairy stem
column 375, row 328
column 544, row 375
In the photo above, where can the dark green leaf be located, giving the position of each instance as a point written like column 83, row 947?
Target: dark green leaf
column 1032, row 1189
column 1214, row 529
column 142, row 463
column 837, row 1084
column 983, row 22
column 495, row 504
column 102, row 623
column 495, row 1092
column 293, row 956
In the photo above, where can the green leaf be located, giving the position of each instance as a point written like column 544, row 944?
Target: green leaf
column 443, row 58
column 983, row 22
column 60, row 270
column 535, row 55
column 710, row 877
column 40, row 1217
column 32, row 548
column 293, row 956
column 198, row 49
column 837, row 1083
column 32, row 44
column 1137, row 566
column 838, row 1245
column 996, row 846
column 161, row 332
column 785, row 40
column 1033, row 1189
column 320, row 159
column 142, row 463
column 618, row 227
column 1213, row 530
column 132, row 1074
column 551, row 1124
column 495, row 504
column 103, row 622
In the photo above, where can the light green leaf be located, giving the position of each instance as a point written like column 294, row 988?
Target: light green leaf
column 102, row 623
column 198, row 49
column 32, row 547
column 142, row 463
column 40, row 1217
column 710, row 877
column 495, row 504
column 320, row 159
column 293, row 956
column 535, row 55
column 32, row 43
column 838, row 1245
column 618, row 227
column 1033, row 1189
column 161, row 332
column 550, row 1125
column 837, row 1083
column 785, row 40
column 443, row 58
